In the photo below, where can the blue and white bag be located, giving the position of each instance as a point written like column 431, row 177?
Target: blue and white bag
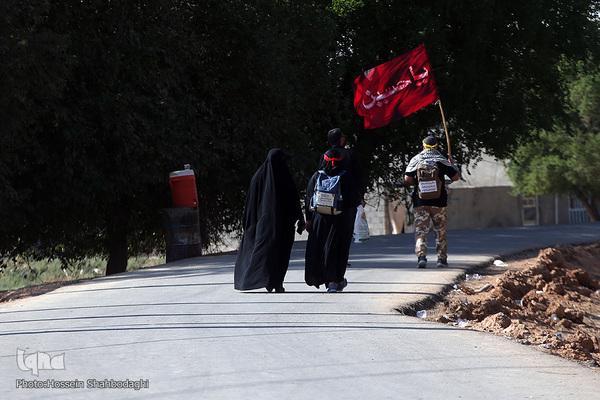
column 327, row 197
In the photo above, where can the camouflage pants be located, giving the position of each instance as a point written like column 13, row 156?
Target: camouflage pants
column 425, row 217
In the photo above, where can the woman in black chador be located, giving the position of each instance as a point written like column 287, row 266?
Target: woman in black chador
column 330, row 236
column 272, row 210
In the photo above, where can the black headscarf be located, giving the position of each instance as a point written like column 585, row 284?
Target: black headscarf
column 272, row 207
column 334, row 136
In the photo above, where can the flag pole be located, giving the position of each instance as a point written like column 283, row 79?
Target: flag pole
column 445, row 130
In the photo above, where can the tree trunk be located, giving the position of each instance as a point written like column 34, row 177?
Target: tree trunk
column 590, row 207
column 117, row 244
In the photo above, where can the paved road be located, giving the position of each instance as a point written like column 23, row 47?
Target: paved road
column 184, row 328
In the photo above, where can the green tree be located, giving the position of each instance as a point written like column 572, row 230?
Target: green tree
column 100, row 99
column 566, row 159
column 494, row 62
column 103, row 99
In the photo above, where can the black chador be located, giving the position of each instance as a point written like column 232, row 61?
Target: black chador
column 330, row 236
column 272, row 209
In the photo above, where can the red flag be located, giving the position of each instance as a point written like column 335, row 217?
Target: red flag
column 398, row 87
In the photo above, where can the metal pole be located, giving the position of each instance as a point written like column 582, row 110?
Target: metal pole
column 446, row 131
column 556, row 209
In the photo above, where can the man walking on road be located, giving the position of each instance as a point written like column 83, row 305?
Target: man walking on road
column 426, row 171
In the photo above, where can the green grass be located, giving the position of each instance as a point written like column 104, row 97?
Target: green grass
column 20, row 273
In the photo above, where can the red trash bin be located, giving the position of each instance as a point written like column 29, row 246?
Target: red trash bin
column 183, row 188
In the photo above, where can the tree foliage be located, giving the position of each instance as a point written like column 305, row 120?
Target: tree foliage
column 101, row 99
column 494, row 62
column 566, row 159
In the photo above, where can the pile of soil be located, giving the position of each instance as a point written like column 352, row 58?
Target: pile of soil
column 552, row 300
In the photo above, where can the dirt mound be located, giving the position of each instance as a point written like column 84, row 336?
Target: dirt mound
column 552, row 300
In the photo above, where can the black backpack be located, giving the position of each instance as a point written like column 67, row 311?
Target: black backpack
column 429, row 182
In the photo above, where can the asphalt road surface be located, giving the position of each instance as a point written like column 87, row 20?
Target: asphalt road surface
column 183, row 331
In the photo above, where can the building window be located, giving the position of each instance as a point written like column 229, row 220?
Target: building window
column 530, row 212
column 577, row 213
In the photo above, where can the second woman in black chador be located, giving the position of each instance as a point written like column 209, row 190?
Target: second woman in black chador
column 272, row 210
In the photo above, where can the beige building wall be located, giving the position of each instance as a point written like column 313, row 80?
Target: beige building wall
column 484, row 207
column 377, row 217
column 481, row 199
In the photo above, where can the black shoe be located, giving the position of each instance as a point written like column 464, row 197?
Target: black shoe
column 269, row 288
column 442, row 263
column 422, row 262
column 280, row 289
column 342, row 284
